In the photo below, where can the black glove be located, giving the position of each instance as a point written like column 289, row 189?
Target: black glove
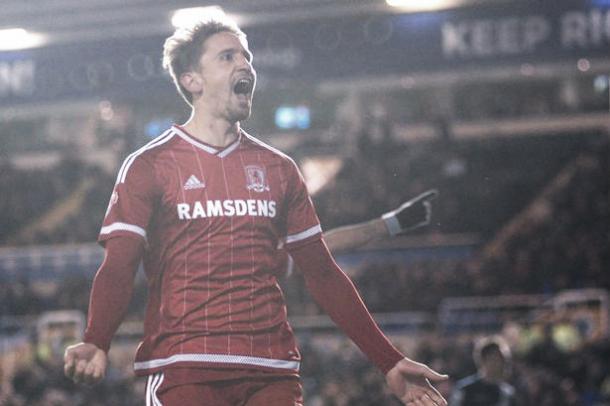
column 411, row 214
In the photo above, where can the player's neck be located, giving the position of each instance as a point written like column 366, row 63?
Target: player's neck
column 212, row 130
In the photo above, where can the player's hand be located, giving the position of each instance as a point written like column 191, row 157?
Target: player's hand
column 411, row 381
column 411, row 214
column 85, row 363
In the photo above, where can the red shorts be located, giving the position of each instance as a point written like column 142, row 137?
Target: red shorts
column 250, row 389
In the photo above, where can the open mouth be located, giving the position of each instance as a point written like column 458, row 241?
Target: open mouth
column 243, row 86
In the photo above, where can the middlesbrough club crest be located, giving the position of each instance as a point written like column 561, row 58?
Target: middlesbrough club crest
column 255, row 178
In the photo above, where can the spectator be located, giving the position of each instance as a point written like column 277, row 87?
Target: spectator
column 488, row 387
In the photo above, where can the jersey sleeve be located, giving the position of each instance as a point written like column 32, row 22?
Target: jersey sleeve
column 132, row 201
column 302, row 223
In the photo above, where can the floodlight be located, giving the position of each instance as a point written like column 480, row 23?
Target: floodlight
column 185, row 17
column 422, row 5
column 20, row 38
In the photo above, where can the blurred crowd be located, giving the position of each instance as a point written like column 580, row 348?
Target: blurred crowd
column 37, row 379
column 563, row 242
column 482, row 183
column 24, row 297
column 541, row 375
column 564, row 247
column 30, row 193
column 28, row 209
column 335, row 373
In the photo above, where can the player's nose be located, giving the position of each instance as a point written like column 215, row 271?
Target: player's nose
column 243, row 63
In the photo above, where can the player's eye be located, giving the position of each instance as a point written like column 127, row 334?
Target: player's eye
column 226, row 56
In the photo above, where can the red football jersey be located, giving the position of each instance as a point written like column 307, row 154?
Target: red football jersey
column 212, row 220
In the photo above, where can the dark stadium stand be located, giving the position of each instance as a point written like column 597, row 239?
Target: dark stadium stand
column 31, row 193
column 474, row 178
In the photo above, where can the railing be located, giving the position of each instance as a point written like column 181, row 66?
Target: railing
column 50, row 261
column 487, row 313
column 586, row 308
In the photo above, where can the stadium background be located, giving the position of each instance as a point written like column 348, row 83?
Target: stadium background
column 503, row 106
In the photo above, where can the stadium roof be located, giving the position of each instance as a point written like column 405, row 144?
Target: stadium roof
column 65, row 21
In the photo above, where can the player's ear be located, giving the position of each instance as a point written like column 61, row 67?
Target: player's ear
column 192, row 82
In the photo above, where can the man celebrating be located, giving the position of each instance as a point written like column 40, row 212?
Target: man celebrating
column 205, row 206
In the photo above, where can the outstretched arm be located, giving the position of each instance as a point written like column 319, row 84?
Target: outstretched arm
column 336, row 294
column 355, row 235
column 111, row 293
column 408, row 216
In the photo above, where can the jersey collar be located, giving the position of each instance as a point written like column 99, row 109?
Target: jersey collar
column 219, row 152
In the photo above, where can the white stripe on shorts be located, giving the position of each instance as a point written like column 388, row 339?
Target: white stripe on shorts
column 153, row 384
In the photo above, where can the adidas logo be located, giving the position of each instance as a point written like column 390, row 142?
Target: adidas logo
column 193, row 183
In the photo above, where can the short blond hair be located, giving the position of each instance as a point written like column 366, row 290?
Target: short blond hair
column 182, row 50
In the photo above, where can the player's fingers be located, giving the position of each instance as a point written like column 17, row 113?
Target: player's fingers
column 407, row 399
column 98, row 373
column 436, row 396
column 428, row 401
column 420, row 398
column 434, row 376
column 69, row 364
column 68, row 355
column 79, row 371
column 98, row 376
column 88, row 374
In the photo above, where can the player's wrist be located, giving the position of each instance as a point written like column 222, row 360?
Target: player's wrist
column 99, row 342
column 391, row 223
column 411, row 214
column 390, row 362
column 406, row 217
